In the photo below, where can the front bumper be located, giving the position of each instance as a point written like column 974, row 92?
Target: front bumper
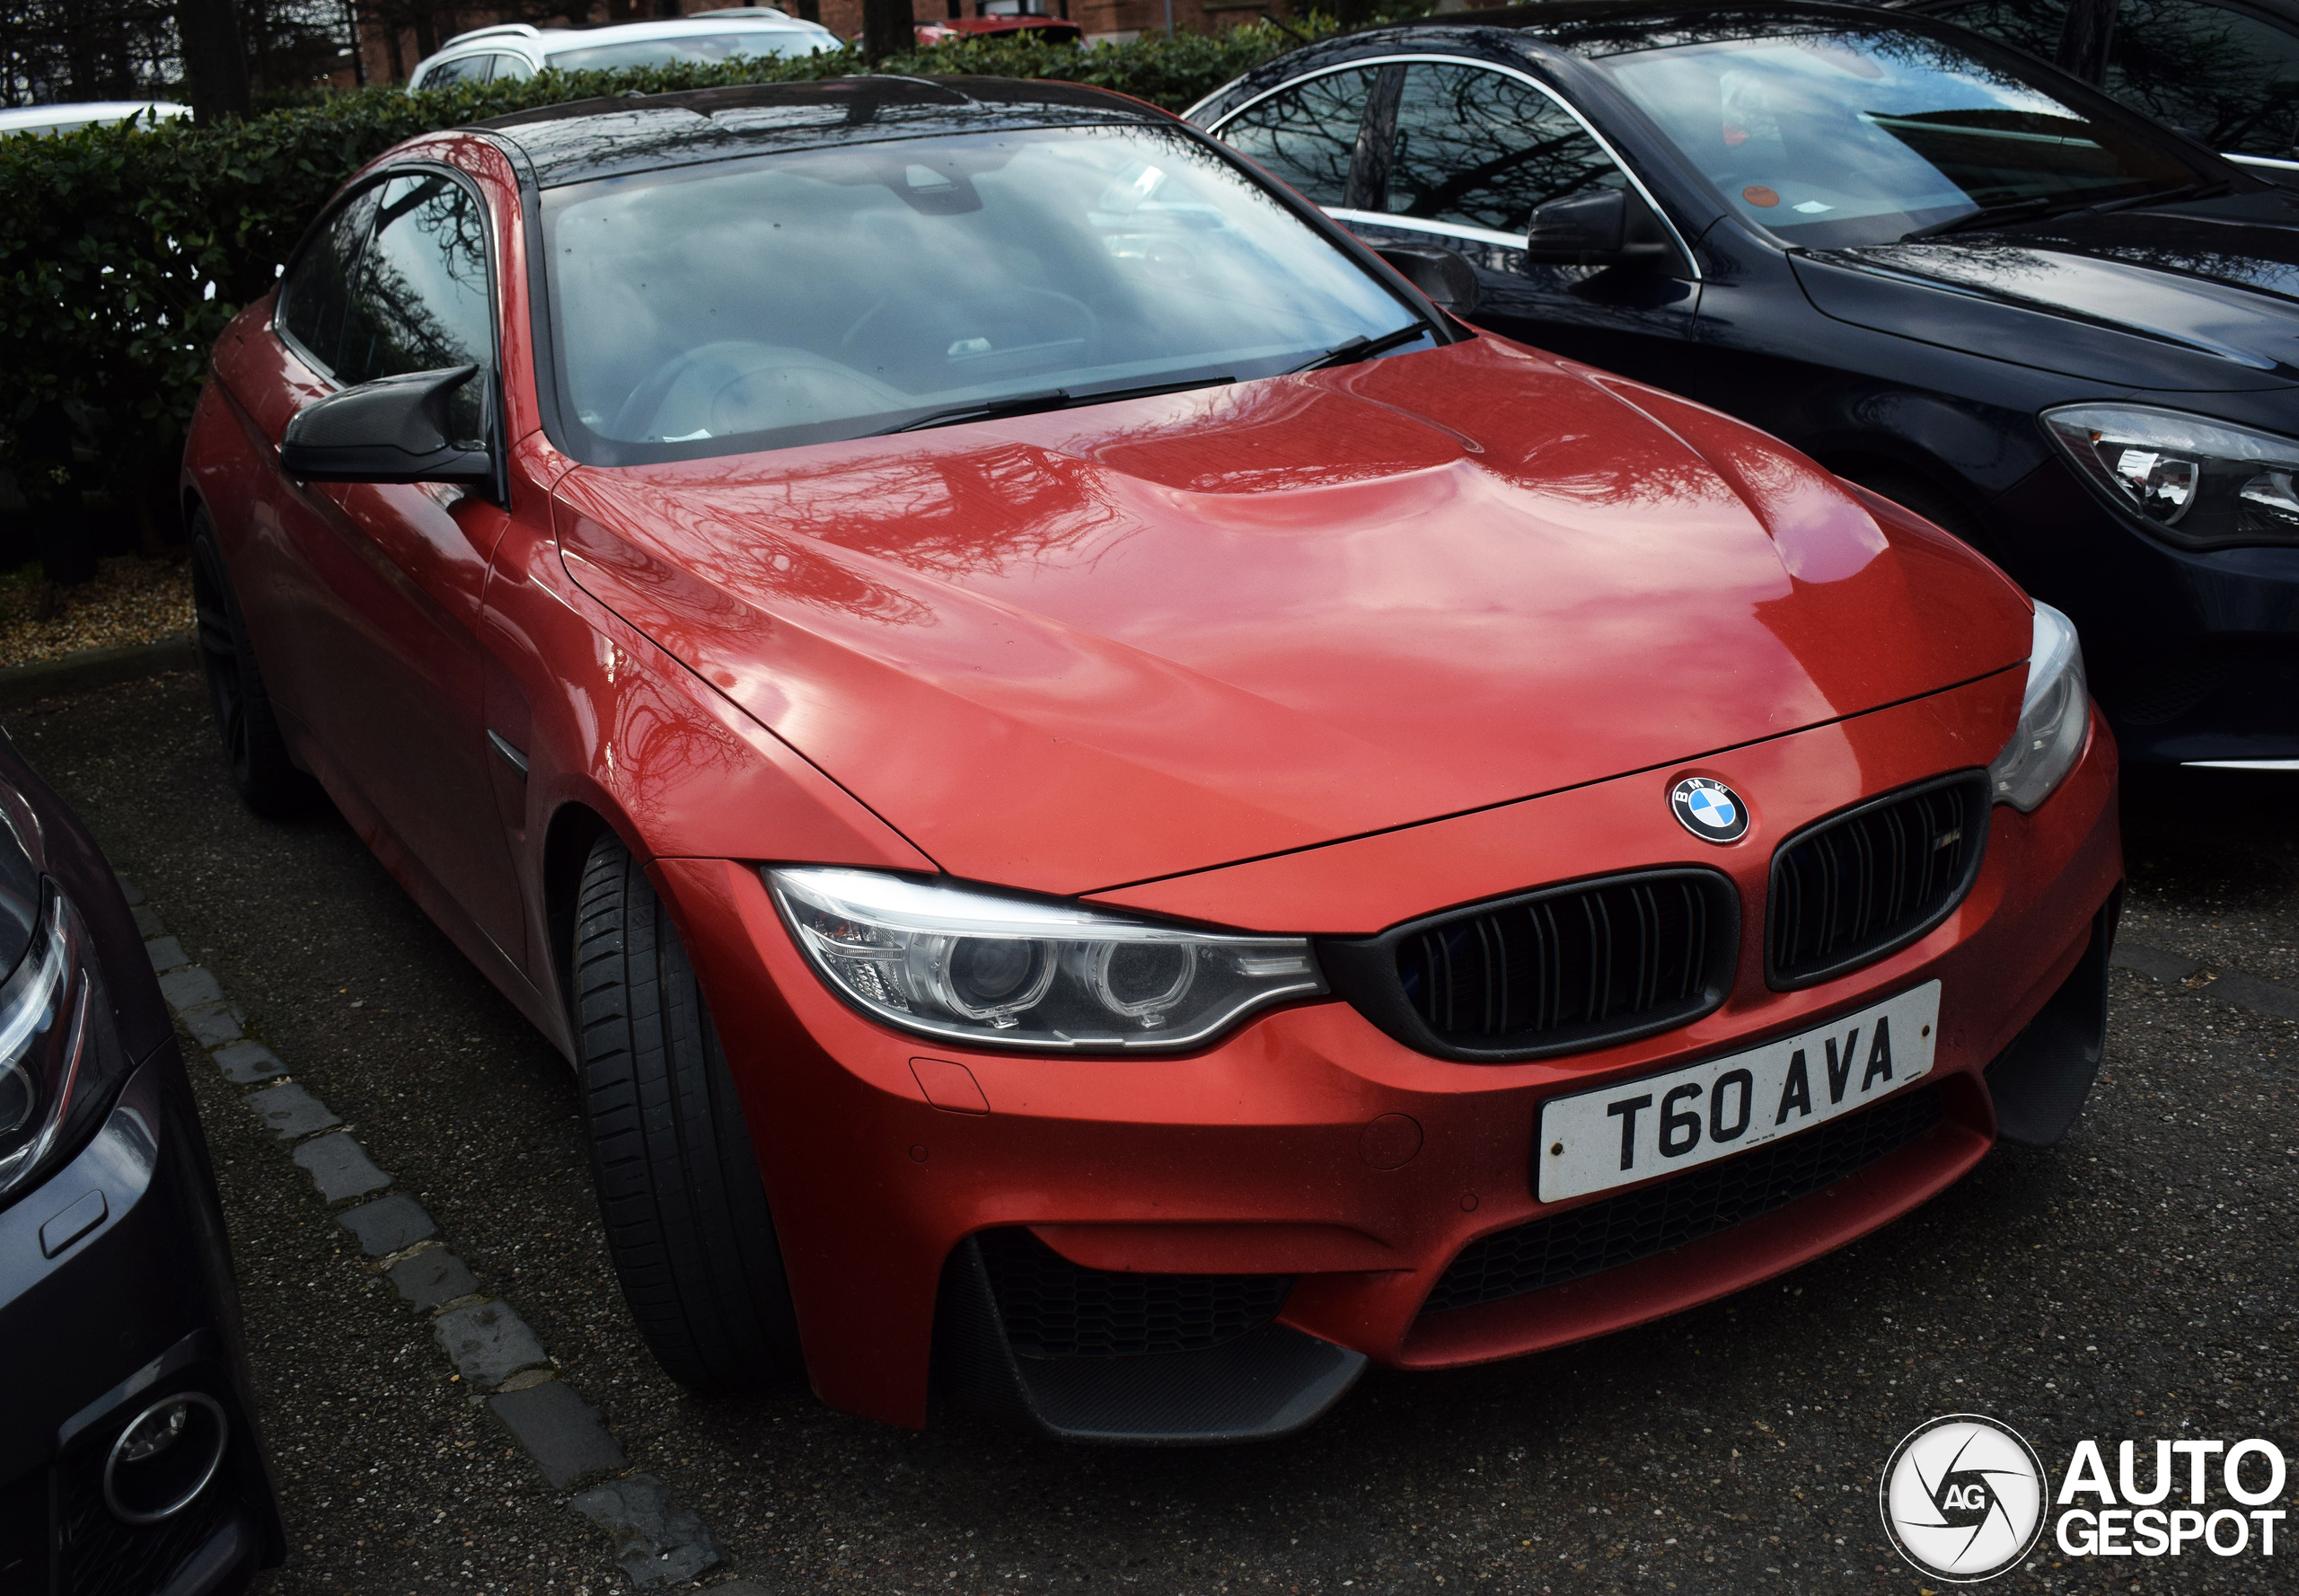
column 1308, row 1144
column 2193, row 656
column 132, row 1307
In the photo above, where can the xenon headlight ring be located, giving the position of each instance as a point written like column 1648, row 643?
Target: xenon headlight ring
column 981, row 966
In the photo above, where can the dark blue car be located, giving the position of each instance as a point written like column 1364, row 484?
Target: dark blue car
column 129, row 1464
column 1944, row 268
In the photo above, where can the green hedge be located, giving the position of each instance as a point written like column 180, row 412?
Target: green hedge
column 126, row 252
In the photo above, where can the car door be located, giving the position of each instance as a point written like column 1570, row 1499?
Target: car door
column 384, row 582
column 1456, row 154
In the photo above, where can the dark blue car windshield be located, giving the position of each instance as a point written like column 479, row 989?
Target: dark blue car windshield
column 1861, row 135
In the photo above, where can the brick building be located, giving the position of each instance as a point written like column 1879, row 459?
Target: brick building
column 1114, row 19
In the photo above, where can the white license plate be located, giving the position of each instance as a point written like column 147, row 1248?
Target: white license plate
column 1658, row 1124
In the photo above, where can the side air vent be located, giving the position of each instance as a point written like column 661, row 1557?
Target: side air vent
column 1849, row 889
column 1561, row 970
column 1051, row 1307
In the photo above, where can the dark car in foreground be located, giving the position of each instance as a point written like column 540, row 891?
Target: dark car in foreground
column 1117, row 816
column 1937, row 266
column 129, row 1463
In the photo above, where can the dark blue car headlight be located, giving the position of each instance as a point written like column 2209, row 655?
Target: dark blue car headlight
column 2199, row 483
column 54, row 1061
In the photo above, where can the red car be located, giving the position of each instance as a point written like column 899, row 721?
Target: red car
column 1119, row 815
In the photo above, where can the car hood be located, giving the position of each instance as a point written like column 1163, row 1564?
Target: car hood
column 1087, row 648
column 2198, row 298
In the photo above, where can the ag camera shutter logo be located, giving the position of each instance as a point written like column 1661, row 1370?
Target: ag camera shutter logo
column 1962, row 1498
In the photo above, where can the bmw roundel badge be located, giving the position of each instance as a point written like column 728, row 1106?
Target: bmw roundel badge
column 1709, row 810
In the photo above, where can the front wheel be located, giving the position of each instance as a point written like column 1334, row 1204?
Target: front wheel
column 679, row 1188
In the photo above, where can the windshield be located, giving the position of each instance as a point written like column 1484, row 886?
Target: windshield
column 691, row 46
column 834, row 293
column 1861, row 136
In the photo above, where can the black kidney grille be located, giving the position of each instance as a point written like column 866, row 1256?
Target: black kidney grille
column 1579, row 960
column 1851, row 889
column 1051, row 1307
column 1617, row 1230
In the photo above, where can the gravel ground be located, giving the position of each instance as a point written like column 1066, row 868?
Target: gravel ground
column 2134, row 1282
column 132, row 600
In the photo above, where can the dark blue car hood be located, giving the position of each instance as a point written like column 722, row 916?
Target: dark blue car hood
column 2197, row 298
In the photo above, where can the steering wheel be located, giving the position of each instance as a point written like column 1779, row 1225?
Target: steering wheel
column 736, row 385
column 912, row 336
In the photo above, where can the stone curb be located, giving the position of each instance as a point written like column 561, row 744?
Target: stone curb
column 2222, row 986
column 94, row 667
column 492, row 1347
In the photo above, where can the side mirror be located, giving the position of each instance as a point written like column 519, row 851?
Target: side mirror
column 1448, row 281
column 1605, row 227
column 393, row 429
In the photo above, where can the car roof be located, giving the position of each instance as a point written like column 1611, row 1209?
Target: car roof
column 1601, row 27
column 22, row 119
column 585, row 139
column 546, row 39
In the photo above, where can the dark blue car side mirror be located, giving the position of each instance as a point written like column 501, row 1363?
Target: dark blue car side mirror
column 1603, row 227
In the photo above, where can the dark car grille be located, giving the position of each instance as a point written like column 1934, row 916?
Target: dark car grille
column 1548, row 972
column 1051, row 1308
column 1857, row 886
column 1617, row 1230
column 103, row 1556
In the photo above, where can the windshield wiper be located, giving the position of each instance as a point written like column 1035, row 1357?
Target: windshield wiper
column 2161, row 197
column 1350, row 350
column 1049, row 399
column 1988, row 215
column 2040, row 207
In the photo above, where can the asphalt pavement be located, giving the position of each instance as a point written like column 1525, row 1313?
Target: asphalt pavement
column 2137, row 1281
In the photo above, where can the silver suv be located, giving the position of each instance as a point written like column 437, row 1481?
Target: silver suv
column 518, row 50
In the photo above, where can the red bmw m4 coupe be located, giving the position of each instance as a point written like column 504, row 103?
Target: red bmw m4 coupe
column 1119, row 816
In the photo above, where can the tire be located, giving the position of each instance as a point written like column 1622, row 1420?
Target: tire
column 254, row 747
column 679, row 1187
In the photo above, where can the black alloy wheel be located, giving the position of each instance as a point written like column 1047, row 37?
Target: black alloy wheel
column 685, row 1210
column 254, row 747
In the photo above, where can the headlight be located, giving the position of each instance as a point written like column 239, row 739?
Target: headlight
column 2055, row 716
column 979, row 967
column 46, row 1078
column 2200, row 484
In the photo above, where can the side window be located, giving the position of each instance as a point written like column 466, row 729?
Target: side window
column 2229, row 80
column 1480, row 149
column 420, row 299
column 318, row 292
column 463, row 69
column 510, row 66
column 1306, row 135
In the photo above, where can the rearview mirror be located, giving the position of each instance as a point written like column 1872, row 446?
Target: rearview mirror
column 393, row 429
column 1448, row 281
column 1605, row 227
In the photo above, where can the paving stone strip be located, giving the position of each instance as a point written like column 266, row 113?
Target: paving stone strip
column 2222, row 986
column 492, row 1347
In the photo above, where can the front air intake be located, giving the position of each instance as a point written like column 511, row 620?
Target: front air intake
column 1849, row 889
column 1561, row 970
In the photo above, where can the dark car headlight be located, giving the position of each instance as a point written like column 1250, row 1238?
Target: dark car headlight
column 2198, row 484
column 970, row 965
column 55, row 1069
column 2055, row 717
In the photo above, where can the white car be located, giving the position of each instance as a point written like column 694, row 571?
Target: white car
column 518, row 50
column 51, row 120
